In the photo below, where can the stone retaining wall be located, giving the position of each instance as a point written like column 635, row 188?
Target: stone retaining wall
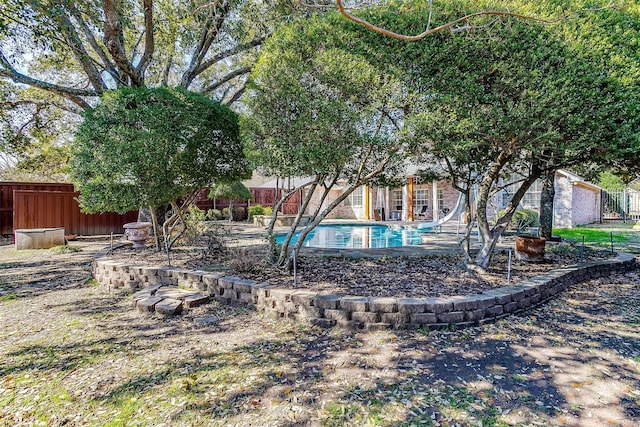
column 356, row 312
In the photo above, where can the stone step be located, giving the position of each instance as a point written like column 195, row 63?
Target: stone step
column 169, row 306
column 167, row 300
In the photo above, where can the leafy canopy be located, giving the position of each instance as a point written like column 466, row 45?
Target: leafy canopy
column 147, row 147
column 318, row 109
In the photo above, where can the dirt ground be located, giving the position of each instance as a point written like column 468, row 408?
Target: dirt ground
column 74, row 354
column 422, row 274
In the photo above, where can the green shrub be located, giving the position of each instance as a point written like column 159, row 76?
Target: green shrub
column 521, row 219
column 259, row 210
column 239, row 213
column 214, row 214
column 255, row 210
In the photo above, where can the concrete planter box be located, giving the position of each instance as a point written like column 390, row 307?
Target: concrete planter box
column 39, row 238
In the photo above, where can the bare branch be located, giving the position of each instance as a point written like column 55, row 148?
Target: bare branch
column 39, row 104
column 236, row 96
column 452, row 24
column 79, row 51
column 209, row 34
column 106, row 62
column 225, row 79
column 71, row 94
column 227, row 53
column 114, row 41
column 165, row 72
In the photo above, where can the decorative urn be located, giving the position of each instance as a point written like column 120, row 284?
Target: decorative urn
column 138, row 233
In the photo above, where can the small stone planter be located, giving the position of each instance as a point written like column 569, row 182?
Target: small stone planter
column 530, row 248
column 138, row 233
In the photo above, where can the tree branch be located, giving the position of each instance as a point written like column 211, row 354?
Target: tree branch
column 149, row 42
column 236, row 96
column 114, row 41
column 38, row 103
column 107, row 64
column 450, row 25
column 227, row 53
column 80, row 52
column 225, row 79
column 71, row 94
column 208, row 36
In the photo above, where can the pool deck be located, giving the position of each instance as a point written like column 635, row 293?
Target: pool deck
column 443, row 239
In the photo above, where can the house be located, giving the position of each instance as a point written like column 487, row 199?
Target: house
column 577, row 201
column 415, row 200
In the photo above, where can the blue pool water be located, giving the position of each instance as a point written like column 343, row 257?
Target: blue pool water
column 353, row 236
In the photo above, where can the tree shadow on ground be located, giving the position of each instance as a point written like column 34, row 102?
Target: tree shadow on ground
column 560, row 362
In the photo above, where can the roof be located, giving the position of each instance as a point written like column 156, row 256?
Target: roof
column 578, row 180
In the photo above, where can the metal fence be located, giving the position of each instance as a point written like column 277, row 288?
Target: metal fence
column 621, row 205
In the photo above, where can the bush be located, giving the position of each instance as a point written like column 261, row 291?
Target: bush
column 259, row 210
column 255, row 210
column 239, row 213
column 194, row 221
column 245, row 260
column 522, row 219
column 214, row 214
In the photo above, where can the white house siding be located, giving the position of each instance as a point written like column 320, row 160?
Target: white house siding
column 575, row 203
column 342, row 211
column 562, row 217
column 347, row 210
column 586, row 204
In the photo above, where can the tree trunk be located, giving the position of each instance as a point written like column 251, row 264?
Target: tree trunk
column 546, row 205
column 156, row 218
column 483, row 257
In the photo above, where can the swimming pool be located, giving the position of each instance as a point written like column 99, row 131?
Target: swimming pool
column 356, row 236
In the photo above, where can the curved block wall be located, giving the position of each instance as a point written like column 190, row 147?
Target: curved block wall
column 357, row 312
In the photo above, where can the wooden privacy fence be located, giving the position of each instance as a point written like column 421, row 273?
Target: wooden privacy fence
column 39, row 205
column 268, row 196
column 6, row 198
column 261, row 196
column 38, row 209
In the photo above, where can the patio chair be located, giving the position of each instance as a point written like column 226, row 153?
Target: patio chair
column 422, row 214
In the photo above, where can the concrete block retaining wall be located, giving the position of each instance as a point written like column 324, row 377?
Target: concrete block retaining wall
column 356, row 312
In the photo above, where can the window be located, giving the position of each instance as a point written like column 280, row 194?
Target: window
column 355, row 199
column 531, row 199
column 396, row 200
column 441, row 200
column 420, row 199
